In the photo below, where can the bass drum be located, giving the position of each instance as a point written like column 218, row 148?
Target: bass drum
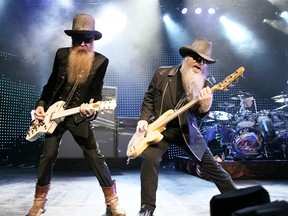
column 217, row 137
column 247, row 142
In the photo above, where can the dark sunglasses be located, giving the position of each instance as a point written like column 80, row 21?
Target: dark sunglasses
column 76, row 40
column 199, row 59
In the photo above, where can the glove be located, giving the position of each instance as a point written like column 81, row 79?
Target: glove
column 142, row 126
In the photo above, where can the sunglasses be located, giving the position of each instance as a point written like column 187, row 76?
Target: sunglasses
column 76, row 40
column 199, row 59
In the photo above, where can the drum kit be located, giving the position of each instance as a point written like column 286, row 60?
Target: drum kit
column 239, row 133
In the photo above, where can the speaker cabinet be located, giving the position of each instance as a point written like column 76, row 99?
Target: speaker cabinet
column 106, row 139
column 124, row 136
column 126, row 127
column 226, row 203
column 69, row 148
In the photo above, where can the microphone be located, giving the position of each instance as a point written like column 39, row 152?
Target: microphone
column 211, row 79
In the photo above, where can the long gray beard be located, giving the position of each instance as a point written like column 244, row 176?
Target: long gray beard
column 192, row 82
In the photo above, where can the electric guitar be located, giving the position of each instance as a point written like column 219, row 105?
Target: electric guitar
column 140, row 141
column 56, row 114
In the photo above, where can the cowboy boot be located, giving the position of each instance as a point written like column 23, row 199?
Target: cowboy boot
column 39, row 202
column 111, row 199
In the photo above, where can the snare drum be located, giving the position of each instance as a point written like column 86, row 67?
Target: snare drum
column 247, row 142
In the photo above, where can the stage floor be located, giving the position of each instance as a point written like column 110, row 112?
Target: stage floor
column 77, row 193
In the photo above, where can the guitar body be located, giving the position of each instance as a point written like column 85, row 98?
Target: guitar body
column 37, row 128
column 56, row 114
column 140, row 141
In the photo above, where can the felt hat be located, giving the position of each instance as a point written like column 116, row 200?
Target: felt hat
column 200, row 46
column 84, row 26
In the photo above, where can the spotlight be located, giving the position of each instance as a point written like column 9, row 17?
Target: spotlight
column 211, row 11
column 184, row 11
column 198, row 10
column 284, row 14
column 166, row 18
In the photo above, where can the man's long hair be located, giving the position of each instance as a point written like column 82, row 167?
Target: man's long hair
column 79, row 65
column 192, row 81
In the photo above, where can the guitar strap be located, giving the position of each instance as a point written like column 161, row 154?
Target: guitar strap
column 70, row 95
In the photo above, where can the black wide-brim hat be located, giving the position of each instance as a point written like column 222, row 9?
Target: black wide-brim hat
column 200, row 46
column 84, row 27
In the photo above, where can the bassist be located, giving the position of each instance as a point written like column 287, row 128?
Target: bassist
column 171, row 88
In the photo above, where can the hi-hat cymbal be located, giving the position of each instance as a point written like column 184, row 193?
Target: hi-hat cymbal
column 240, row 95
column 282, row 100
column 226, row 105
column 277, row 97
column 208, row 120
column 220, row 115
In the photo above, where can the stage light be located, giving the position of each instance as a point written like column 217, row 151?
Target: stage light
column 280, row 25
column 284, row 14
column 184, row 11
column 238, row 34
column 198, row 10
column 211, row 11
column 166, row 18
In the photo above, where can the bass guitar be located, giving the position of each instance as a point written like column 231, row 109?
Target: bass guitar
column 56, row 114
column 140, row 141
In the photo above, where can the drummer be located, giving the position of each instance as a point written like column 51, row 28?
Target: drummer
column 243, row 114
column 246, row 104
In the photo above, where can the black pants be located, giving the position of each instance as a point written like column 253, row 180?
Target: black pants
column 84, row 136
column 151, row 159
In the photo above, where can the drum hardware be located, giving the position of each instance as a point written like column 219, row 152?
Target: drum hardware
column 281, row 107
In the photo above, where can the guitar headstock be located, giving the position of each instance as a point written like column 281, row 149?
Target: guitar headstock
column 104, row 105
column 229, row 80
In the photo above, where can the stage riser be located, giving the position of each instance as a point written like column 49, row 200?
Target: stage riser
column 249, row 169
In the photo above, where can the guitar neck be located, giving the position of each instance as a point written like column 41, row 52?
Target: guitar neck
column 187, row 106
column 65, row 113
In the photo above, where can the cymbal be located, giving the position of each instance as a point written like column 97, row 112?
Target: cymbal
column 282, row 100
column 207, row 120
column 226, row 105
column 220, row 115
column 277, row 97
column 240, row 95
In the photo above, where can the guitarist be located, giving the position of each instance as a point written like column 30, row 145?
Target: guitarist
column 80, row 70
column 170, row 88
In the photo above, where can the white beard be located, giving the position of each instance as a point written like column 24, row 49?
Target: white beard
column 192, row 82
